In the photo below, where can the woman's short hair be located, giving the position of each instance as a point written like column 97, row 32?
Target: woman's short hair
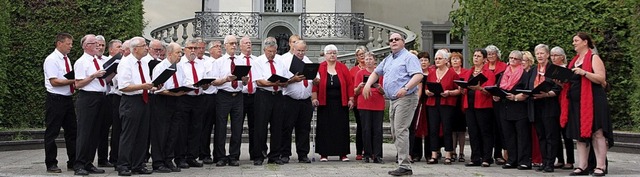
column 329, row 48
column 558, row 50
column 482, row 51
column 423, row 55
column 493, row 48
column 362, row 48
column 545, row 47
column 529, row 57
column 585, row 36
column 444, row 53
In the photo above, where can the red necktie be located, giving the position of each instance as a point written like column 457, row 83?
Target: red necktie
column 306, row 83
column 234, row 84
column 250, row 85
column 145, row 94
column 195, row 75
column 66, row 65
column 95, row 63
column 175, row 81
column 273, row 71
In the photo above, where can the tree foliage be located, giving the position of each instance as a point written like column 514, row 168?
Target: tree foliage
column 521, row 25
column 33, row 26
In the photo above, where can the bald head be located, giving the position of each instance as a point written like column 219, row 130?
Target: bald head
column 174, row 51
column 396, row 41
column 89, row 44
column 299, row 49
column 245, row 46
column 230, row 43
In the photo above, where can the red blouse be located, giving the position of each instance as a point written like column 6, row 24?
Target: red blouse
column 346, row 83
column 376, row 100
column 481, row 99
column 447, row 84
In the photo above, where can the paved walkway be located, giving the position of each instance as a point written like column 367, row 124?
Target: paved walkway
column 31, row 163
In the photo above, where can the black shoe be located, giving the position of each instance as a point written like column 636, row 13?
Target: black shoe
column 182, row 164
column 93, row 170
column 142, row 171
column 124, row 173
column 473, row 164
column 54, row 169
column 400, row 172
column 548, row 169
column 366, row 160
column 162, row 169
column 500, row 161
column 378, row 160
column 524, row 167
column 540, row 168
column 194, row 163
column 234, row 163
column 304, row 159
column 80, row 172
column 207, row 160
column 582, row 172
column 173, row 167
column 221, row 163
column 276, row 161
column 508, row 166
column 285, row 159
column 105, row 164
column 258, row 162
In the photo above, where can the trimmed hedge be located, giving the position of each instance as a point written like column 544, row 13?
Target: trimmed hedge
column 519, row 25
column 33, row 26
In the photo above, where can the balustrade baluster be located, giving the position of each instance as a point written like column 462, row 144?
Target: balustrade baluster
column 379, row 40
column 175, row 33
column 370, row 40
column 184, row 33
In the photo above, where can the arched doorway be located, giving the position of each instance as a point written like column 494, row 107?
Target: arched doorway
column 281, row 34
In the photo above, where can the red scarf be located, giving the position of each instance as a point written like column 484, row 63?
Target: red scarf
column 511, row 77
column 586, row 99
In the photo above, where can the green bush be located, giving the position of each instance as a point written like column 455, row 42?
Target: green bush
column 33, row 26
column 520, row 25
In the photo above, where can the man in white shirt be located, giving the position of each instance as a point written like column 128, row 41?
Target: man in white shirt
column 268, row 103
column 248, row 91
column 155, row 55
column 289, row 55
column 300, row 111
column 60, row 112
column 103, row 135
column 190, row 107
column 90, row 105
column 229, row 103
column 135, row 83
column 210, row 100
column 114, row 96
column 164, row 116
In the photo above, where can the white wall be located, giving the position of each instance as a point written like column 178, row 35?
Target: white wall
column 161, row 12
column 235, row 5
column 321, row 6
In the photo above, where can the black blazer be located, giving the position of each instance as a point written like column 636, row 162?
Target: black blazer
column 514, row 110
column 543, row 107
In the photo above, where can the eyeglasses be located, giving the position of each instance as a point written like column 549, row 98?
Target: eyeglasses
column 143, row 45
column 190, row 48
column 555, row 55
column 394, row 39
column 331, row 53
column 514, row 58
column 439, row 58
column 157, row 50
column 101, row 45
column 232, row 43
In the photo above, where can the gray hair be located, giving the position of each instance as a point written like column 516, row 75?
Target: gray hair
column 362, row 48
column 100, row 38
column 329, row 48
column 560, row 51
column 170, row 47
column 212, row 43
column 84, row 38
column 113, row 41
column 228, row 37
column 191, row 41
column 156, row 42
column 198, row 40
column 135, row 41
column 493, row 48
column 126, row 44
column 443, row 52
column 366, row 54
column 517, row 53
column 269, row 42
column 299, row 42
column 542, row 46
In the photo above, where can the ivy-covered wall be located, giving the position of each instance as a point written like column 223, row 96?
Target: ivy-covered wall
column 521, row 25
column 33, row 25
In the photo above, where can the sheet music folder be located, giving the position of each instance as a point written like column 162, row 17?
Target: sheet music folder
column 480, row 78
column 164, row 76
column 70, row 75
column 274, row 78
column 435, row 88
column 557, row 72
column 241, row 71
column 496, row 91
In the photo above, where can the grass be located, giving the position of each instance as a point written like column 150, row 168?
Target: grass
column 20, row 137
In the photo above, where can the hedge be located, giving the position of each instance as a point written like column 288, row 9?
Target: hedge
column 521, row 25
column 33, row 25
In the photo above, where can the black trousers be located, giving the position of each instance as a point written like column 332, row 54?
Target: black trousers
column 371, row 132
column 359, row 142
column 498, row 139
column 229, row 106
column 440, row 114
column 568, row 148
column 164, row 109
column 269, row 113
column 480, row 127
column 298, row 118
column 191, row 110
column 59, row 113
column 103, row 135
column 90, row 111
column 116, row 127
column 248, row 112
column 517, row 134
column 135, row 115
column 548, row 131
column 209, row 119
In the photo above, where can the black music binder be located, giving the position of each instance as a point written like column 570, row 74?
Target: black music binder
column 164, row 76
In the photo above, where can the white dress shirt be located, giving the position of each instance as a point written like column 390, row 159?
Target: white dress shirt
column 85, row 67
column 208, row 69
column 129, row 73
column 297, row 90
column 263, row 70
column 252, row 60
column 114, row 88
column 222, row 69
column 54, row 67
column 186, row 73
column 169, row 84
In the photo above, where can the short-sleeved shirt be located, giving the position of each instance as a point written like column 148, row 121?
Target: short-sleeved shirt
column 262, row 70
column 222, row 69
column 186, row 71
column 55, row 67
column 397, row 70
column 129, row 73
column 85, row 67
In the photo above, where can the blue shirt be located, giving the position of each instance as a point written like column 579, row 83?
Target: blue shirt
column 397, row 70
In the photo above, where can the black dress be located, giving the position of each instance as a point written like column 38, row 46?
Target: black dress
column 333, row 122
column 601, row 118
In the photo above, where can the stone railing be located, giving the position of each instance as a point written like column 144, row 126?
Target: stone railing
column 210, row 25
column 378, row 39
column 333, row 25
column 169, row 32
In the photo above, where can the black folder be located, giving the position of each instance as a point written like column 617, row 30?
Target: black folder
column 496, row 91
column 111, row 69
column 164, row 76
column 274, row 78
column 183, row 88
column 297, row 65
column 152, row 64
column 545, row 86
column 365, row 78
column 111, row 60
column 70, row 75
column 203, row 82
column 435, row 88
column 480, row 78
column 558, row 72
column 241, row 71
column 310, row 70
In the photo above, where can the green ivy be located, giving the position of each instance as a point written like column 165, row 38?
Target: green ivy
column 521, row 25
column 33, row 26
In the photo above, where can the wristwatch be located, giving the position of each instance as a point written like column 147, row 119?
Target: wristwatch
column 405, row 88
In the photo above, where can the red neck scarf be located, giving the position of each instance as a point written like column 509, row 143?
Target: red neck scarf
column 586, row 98
column 511, row 77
